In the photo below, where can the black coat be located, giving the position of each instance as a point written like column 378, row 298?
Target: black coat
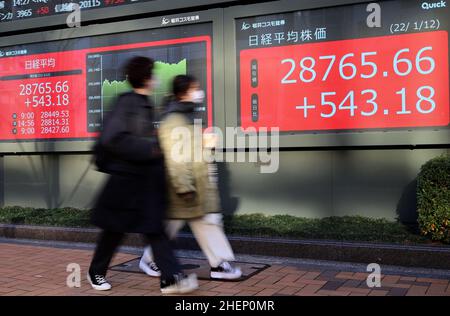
column 134, row 198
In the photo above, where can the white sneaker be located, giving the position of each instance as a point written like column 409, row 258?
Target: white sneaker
column 225, row 272
column 151, row 269
column 98, row 282
column 180, row 284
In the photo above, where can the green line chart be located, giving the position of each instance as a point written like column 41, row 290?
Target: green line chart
column 163, row 76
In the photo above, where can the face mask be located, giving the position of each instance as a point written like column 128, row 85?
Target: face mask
column 198, row 96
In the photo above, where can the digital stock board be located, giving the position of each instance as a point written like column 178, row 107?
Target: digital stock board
column 334, row 73
column 329, row 70
column 17, row 16
column 62, row 90
column 13, row 10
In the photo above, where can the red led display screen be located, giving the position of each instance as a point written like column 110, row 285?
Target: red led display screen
column 65, row 93
column 350, row 84
column 16, row 10
column 305, row 76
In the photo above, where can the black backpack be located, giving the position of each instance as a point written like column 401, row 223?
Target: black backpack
column 101, row 158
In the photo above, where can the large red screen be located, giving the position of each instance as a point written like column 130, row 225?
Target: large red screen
column 396, row 81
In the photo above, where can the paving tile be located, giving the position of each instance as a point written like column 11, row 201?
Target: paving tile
column 47, row 276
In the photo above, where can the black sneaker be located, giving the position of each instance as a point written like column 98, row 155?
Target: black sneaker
column 98, row 282
column 179, row 284
column 225, row 272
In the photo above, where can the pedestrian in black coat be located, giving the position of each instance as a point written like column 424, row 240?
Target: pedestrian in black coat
column 134, row 198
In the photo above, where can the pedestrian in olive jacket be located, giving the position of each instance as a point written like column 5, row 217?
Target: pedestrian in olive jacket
column 193, row 197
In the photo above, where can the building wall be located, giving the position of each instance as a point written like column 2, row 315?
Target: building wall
column 374, row 183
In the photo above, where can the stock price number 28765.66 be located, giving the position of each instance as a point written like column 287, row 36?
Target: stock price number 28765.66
column 45, row 94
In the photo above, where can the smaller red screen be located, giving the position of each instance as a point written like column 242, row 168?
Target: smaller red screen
column 44, row 96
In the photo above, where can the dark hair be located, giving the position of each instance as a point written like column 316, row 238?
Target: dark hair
column 138, row 70
column 181, row 85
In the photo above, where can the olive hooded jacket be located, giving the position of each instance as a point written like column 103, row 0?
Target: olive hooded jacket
column 186, row 169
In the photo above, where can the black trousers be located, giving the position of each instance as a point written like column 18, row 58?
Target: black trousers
column 108, row 243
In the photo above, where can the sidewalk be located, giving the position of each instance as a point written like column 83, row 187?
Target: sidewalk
column 30, row 269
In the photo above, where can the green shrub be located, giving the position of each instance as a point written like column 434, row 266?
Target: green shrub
column 433, row 199
column 68, row 217
column 347, row 228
